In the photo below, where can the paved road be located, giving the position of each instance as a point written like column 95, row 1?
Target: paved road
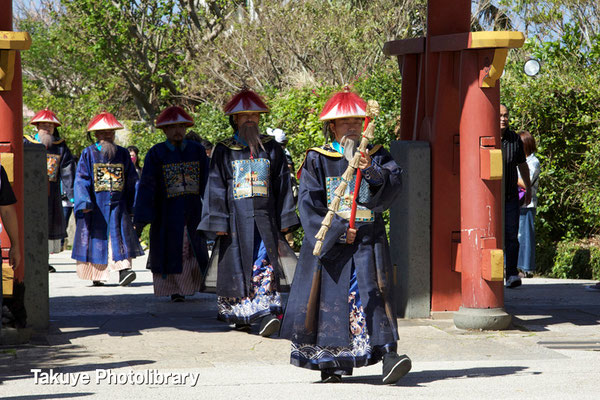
column 127, row 334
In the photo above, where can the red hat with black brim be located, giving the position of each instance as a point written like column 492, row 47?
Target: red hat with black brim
column 104, row 121
column 246, row 101
column 45, row 116
column 174, row 115
column 345, row 104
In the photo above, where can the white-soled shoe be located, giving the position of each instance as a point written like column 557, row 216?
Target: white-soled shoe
column 395, row 367
column 126, row 276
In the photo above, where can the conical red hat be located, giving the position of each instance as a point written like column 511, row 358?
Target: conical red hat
column 246, row 101
column 174, row 115
column 45, row 116
column 104, row 121
column 345, row 104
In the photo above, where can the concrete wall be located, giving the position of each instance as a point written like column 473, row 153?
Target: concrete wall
column 36, row 236
column 410, row 230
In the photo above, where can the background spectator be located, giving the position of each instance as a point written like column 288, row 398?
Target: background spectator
column 135, row 159
column 526, row 261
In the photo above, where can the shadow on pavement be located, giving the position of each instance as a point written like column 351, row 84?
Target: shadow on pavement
column 20, row 367
column 416, row 379
column 535, row 307
column 65, row 329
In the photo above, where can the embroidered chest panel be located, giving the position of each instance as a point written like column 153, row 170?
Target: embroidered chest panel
column 182, row 178
column 251, row 178
column 53, row 164
column 363, row 214
column 109, row 177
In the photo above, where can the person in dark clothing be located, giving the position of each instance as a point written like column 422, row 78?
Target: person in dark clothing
column 193, row 136
column 513, row 157
column 105, row 185
column 339, row 314
column 8, row 214
column 247, row 203
column 61, row 175
column 134, row 153
column 208, row 146
column 169, row 198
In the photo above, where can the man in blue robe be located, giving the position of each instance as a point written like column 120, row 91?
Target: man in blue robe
column 104, row 194
column 170, row 199
column 247, row 203
column 61, row 173
column 339, row 314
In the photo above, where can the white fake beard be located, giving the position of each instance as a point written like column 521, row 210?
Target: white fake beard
column 249, row 133
column 350, row 146
column 46, row 139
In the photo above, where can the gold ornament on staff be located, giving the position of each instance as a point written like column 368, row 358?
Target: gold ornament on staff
column 368, row 134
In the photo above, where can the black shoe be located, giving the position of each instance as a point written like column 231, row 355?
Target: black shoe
column 7, row 316
column 97, row 283
column 513, row 281
column 177, row 298
column 242, row 327
column 126, row 276
column 269, row 325
column 395, row 367
column 51, row 268
column 326, row 377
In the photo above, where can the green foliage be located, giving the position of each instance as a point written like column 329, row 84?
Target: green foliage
column 383, row 84
column 577, row 260
column 561, row 108
column 131, row 40
column 58, row 78
column 143, row 137
column 545, row 252
column 210, row 123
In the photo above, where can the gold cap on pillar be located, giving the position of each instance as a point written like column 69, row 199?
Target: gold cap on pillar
column 10, row 42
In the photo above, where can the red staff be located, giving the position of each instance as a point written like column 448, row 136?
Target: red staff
column 358, row 182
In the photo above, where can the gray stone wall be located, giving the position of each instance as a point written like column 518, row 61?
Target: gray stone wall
column 36, row 236
column 410, row 230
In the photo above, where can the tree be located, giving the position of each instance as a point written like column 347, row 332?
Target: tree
column 134, row 40
column 302, row 43
column 549, row 19
column 57, row 74
column 486, row 16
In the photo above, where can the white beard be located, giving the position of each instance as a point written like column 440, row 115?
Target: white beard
column 349, row 146
column 46, row 139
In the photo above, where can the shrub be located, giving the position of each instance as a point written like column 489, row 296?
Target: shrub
column 577, row 259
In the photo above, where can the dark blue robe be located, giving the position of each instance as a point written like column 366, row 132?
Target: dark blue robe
column 169, row 197
column 108, row 189
column 243, row 196
column 61, row 170
column 317, row 311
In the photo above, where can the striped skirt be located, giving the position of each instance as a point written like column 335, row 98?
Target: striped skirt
column 99, row 272
column 186, row 283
